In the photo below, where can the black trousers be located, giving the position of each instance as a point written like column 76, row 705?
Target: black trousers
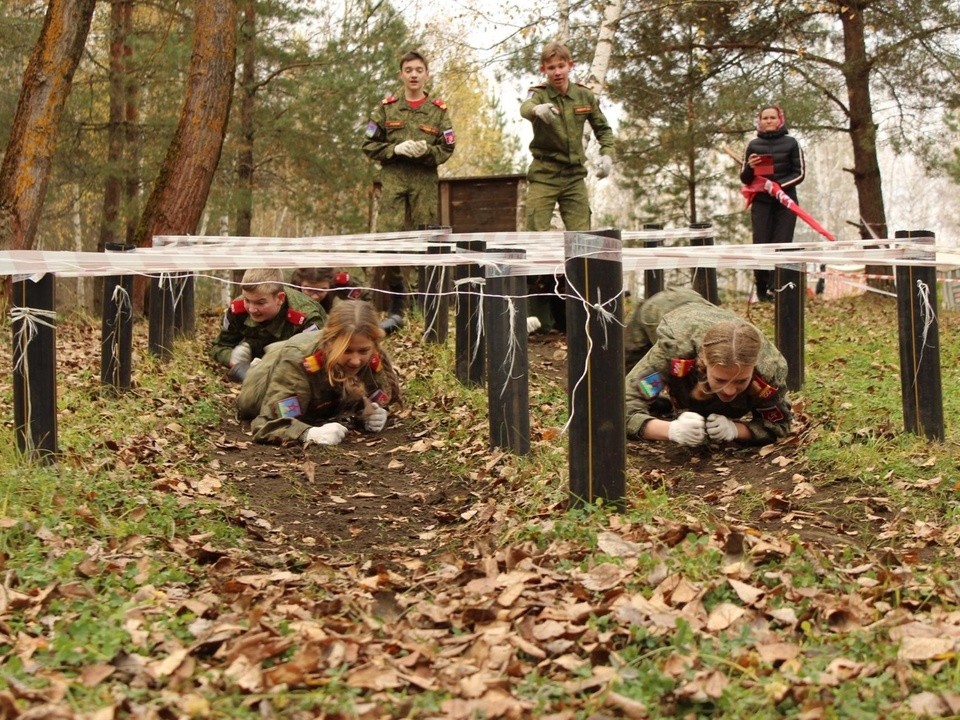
column 772, row 223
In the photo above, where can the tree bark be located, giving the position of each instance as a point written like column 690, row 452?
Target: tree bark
column 863, row 132
column 248, row 90
column 180, row 192
column 33, row 137
column 113, row 183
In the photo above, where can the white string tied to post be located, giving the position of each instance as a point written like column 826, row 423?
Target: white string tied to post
column 121, row 300
column 480, row 282
column 928, row 315
column 510, row 355
column 30, row 319
column 437, row 296
column 605, row 316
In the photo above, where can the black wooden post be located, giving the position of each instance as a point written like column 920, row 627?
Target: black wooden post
column 595, row 380
column 470, row 355
column 704, row 278
column 505, row 330
column 919, row 329
column 184, row 309
column 162, row 301
column 436, row 303
column 116, row 327
column 652, row 279
column 35, row 368
column 790, row 291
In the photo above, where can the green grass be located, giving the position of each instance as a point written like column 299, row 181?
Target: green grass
column 100, row 563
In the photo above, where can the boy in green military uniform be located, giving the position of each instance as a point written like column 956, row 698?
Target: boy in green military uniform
column 558, row 112
column 410, row 136
column 701, row 371
column 263, row 314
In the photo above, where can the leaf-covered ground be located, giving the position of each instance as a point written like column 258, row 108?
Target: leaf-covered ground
column 422, row 574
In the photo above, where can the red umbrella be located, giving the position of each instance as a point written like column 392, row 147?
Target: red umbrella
column 762, row 184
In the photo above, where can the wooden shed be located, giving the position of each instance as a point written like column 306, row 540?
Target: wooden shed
column 491, row 203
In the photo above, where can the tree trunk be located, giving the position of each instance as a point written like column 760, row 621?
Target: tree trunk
column 113, row 183
column 248, row 89
column 180, row 191
column 33, row 136
column 863, row 133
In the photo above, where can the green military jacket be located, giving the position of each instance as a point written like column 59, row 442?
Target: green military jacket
column 672, row 369
column 299, row 313
column 394, row 121
column 289, row 391
column 562, row 140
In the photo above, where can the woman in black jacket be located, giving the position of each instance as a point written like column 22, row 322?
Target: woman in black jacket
column 775, row 155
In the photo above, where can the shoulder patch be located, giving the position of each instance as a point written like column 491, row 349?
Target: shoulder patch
column 314, row 363
column 440, row 104
column 389, row 100
column 375, row 362
column 651, row 385
column 295, row 317
column 237, row 307
column 761, row 389
column 681, row 367
column 341, row 279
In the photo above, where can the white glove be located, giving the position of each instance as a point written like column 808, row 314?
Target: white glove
column 688, row 429
column 545, row 112
column 376, row 420
column 720, row 428
column 329, row 434
column 606, row 166
column 411, row 148
column 241, row 354
column 533, row 324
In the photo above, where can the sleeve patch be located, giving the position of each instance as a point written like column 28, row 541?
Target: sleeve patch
column 761, row 389
column 289, row 407
column 355, row 293
column 449, row 138
column 681, row 367
column 380, row 396
column 314, row 363
column 372, row 129
column 651, row 386
column 771, row 414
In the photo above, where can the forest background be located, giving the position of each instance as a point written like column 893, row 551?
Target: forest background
column 128, row 119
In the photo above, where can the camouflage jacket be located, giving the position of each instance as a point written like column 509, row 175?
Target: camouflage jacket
column 298, row 313
column 394, row 121
column 671, row 369
column 562, row 140
column 289, row 391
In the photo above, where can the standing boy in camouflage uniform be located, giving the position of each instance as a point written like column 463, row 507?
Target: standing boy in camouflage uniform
column 263, row 314
column 558, row 112
column 410, row 136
